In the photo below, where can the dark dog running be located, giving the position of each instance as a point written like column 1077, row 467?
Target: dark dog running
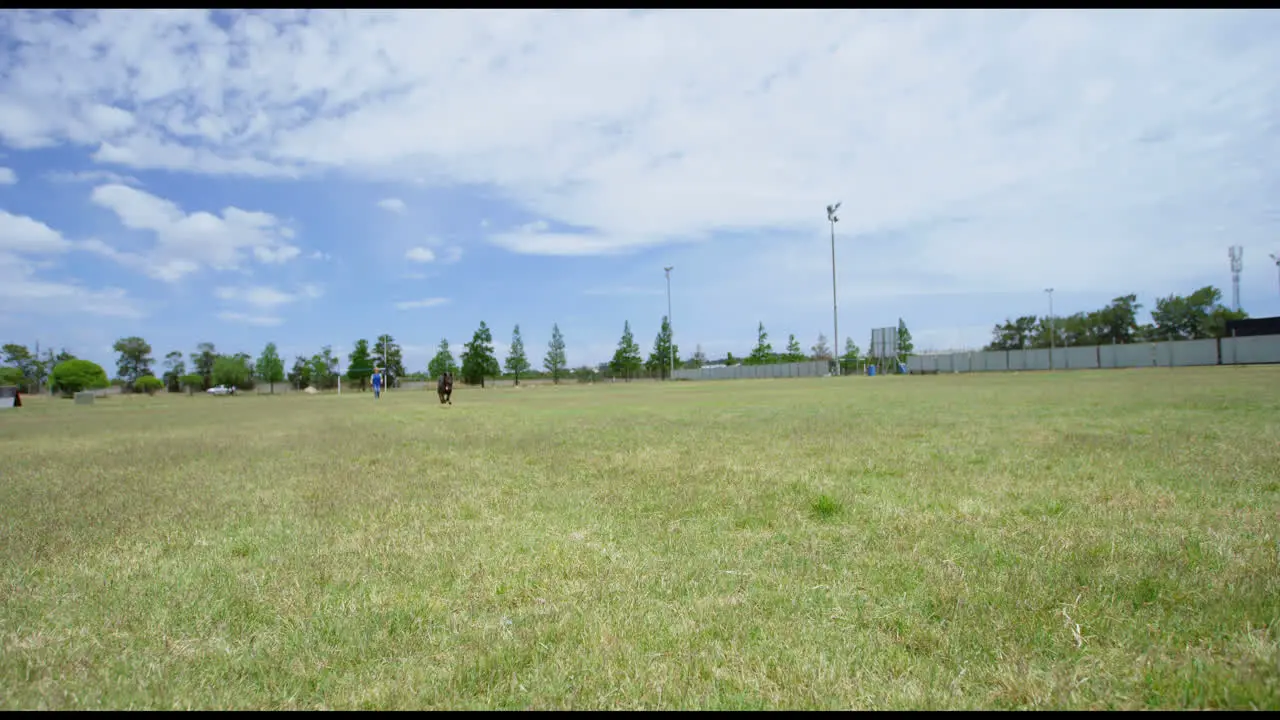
column 444, row 388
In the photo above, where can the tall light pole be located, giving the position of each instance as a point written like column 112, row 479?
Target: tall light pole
column 671, row 327
column 1276, row 258
column 835, row 312
column 1052, row 331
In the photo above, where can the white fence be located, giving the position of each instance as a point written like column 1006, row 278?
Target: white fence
column 811, row 368
column 1252, row 350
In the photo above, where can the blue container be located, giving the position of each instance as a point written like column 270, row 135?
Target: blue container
column 902, row 368
column 871, row 370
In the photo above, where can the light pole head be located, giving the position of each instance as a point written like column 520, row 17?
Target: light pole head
column 831, row 212
column 669, row 269
column 1049, row 290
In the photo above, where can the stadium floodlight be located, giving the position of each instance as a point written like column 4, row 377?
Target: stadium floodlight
column 671, row 326
column 835, row 313
column 1052, row 331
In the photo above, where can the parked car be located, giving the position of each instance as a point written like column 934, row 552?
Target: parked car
column 221, row 390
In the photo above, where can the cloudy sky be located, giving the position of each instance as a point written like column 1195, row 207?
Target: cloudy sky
column 315, row 177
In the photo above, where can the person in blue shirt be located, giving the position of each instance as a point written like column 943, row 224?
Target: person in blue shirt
column 377, row 383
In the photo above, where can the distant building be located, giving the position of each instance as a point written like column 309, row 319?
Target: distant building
column 1253, row 326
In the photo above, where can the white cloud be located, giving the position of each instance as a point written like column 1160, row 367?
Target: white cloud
column 395, row 205
column 318, row 255
column 420, row 255
column 186, row 242
column 264, row 297
column 427, row 303
column 973, row 150
column 244, row 319
column 91, row 176
column 21, row 290
column 8, row 176
column 21, row 234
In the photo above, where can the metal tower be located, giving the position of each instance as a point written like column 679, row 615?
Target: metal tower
column 1236, row 254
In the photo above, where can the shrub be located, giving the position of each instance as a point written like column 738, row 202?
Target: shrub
column 192, row 382
column 148, row 384
column 73, row 376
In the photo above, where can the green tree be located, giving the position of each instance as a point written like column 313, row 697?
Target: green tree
column 174, row 369
column 664, row 352
column 192, row 382
column 555, row 360
column 202, row 360
column 359, row 364
column 730, row 360
column 270, row 367
column 300, row 374
column 443, row 361
column 1117, row 323
column 849, row 360
column 135, row 359
column 74, row 376
column 389, row 357
column 230, row 371
column 820, row 350
column 516, row 361
column 478, row 361
column 149, row 384
column 27, row 365
column 1215, row 325
column 1014, row 334
column 762, row 353
column 626, row 359
column 794, row 353
column 13, row 376
column 1185, row 318
column 246, row 360
column 324, row 369
column 905, row 346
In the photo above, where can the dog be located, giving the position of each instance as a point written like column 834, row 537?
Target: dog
column 444, row 388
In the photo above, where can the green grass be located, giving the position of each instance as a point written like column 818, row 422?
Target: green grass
column 1074, row 540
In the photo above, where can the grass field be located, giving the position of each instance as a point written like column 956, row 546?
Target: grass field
column 1076, row 540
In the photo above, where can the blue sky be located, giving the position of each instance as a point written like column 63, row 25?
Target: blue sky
column 311, row 178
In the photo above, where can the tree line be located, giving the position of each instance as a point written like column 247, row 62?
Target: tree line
column 627, row 362
column 137, row 371
column 1197, row 316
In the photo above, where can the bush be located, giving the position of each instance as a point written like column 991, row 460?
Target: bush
column 148, row 384
column 192, row 382
column 73, row 376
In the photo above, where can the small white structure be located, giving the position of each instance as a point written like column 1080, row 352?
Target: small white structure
column 10, row 397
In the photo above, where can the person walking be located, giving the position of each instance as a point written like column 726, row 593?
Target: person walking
column 377, row 383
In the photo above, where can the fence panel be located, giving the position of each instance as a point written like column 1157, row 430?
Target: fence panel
column 1037, row 359
column 995, row 361
column 1081, row 358
column 1255, row 349
column 1185, row 353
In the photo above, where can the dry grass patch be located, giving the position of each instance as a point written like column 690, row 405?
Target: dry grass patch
column 1072, row 540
